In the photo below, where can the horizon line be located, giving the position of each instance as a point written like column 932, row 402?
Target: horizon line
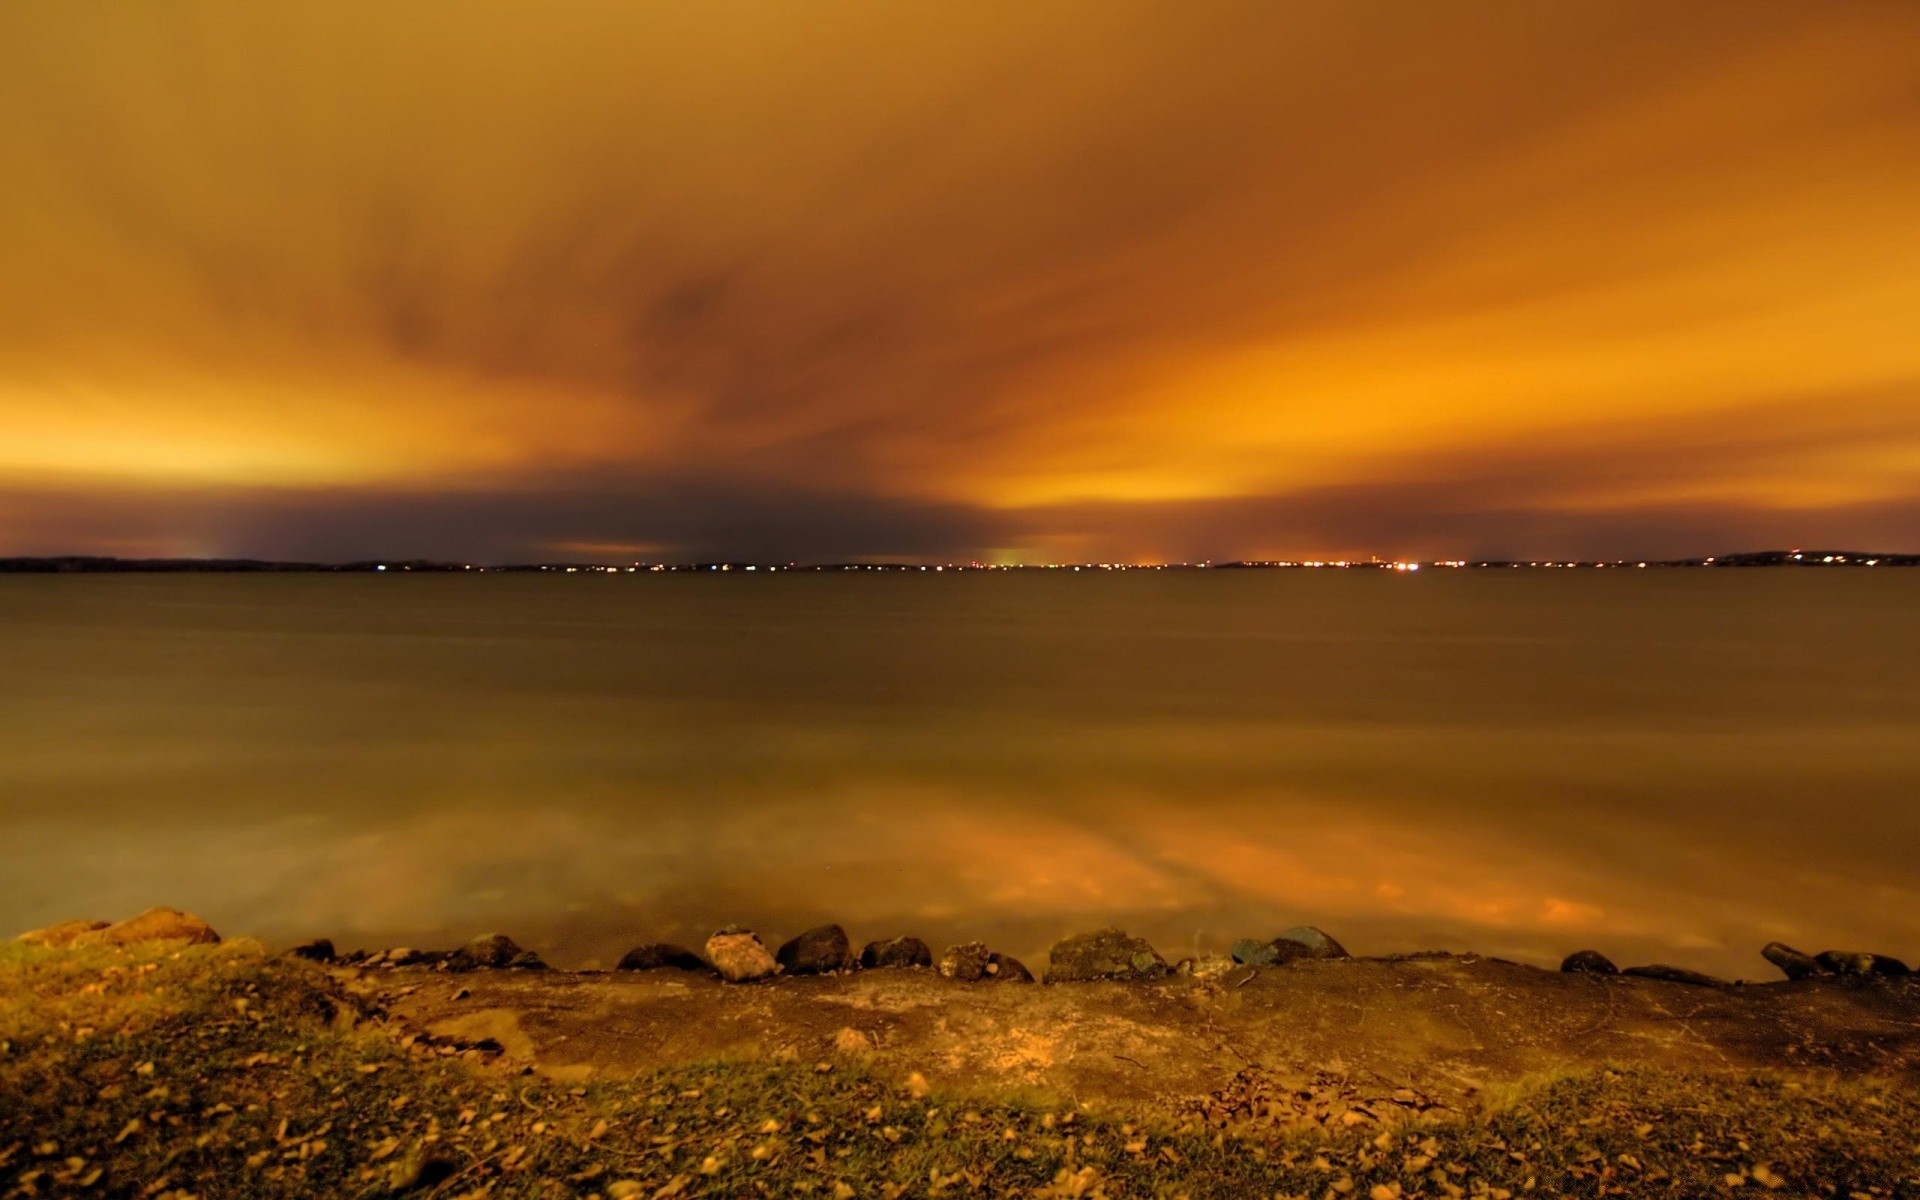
column 96, row 563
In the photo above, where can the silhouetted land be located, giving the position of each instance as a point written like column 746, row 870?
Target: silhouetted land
column 72, row 564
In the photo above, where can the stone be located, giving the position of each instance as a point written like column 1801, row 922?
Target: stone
column 488, row 950
column 317, row 950
column 1588, row 962
column 1276, row 953
column 1675, row 975
column 1855, row 962
column 1318, row 942
column 1207, row 966
column 1103, row 954
column 966, row 962
column 527, row 960
column 406, row 956
column 59, row 935
column 153, row 925
column 1003, row 968
column 851, row 1041
column 896, row 952
column 1792, row 963
column 1843, row 962
column 655, row 956
column 821, row 950
column 739, row 956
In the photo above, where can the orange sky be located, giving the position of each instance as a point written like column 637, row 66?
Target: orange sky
column 1102, row 280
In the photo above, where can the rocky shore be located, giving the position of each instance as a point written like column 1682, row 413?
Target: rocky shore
column 151, row 1058
column 737, row 954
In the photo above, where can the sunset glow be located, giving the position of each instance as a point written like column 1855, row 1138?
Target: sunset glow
column 1094, row 281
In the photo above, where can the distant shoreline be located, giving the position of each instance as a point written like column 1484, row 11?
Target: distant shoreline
column 74, row 564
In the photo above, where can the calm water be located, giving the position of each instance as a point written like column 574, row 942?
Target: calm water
column 1671, row 765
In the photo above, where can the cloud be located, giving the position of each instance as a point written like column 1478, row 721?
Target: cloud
column 973, row 266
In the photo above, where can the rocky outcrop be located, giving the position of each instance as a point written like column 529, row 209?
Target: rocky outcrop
column 59, row 935
column 1674, row 975
column 739, row 956
column 966, row 962
column 656, row 956
column 1004, row 968
column 896, row 952
column 1792, row 963
column 1589, row 962
column 821, row 950
column 153, row 925
column 1103, row 954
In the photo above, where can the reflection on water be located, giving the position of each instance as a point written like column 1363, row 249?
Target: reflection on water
column 1678, row 765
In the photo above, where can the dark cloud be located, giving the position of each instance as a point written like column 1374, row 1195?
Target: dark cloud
column 596, row 520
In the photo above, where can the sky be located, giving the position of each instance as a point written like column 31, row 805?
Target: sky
column 958, row 281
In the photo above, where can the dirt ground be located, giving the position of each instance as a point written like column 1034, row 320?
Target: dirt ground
column 1307, row 1041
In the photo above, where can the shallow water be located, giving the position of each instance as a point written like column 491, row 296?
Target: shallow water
column 1673, row 765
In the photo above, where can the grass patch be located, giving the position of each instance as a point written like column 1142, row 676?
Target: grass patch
column 218, row 1072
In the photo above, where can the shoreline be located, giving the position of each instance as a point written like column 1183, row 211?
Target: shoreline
column 737, row 954
column 176, row 1066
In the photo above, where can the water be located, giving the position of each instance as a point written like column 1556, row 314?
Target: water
column 1666, row 765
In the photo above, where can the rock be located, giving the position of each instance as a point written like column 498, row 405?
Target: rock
column 821, row 950
column 1276, row 953
column 851, row 1041
column 1318, row 943
column 1793, row 963
column 489, row 950
column 59, row 935
column 1207, row 966
column 317, row 950
column 1250, row 953
column 1103, row 954
column 153, row 925
column 1675, row 975
column 966, row 962
column 527, row 960
column 1002, row 968
column 1841, row 962
column 1854, row 962
column 406, row 956
column 738, row 955
column 1589, row 962
column 656, row 956
column 897, row 952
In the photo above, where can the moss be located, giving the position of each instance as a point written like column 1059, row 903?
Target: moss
column 219, row 1072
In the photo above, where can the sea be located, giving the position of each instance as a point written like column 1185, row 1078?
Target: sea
column 1667, row 765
